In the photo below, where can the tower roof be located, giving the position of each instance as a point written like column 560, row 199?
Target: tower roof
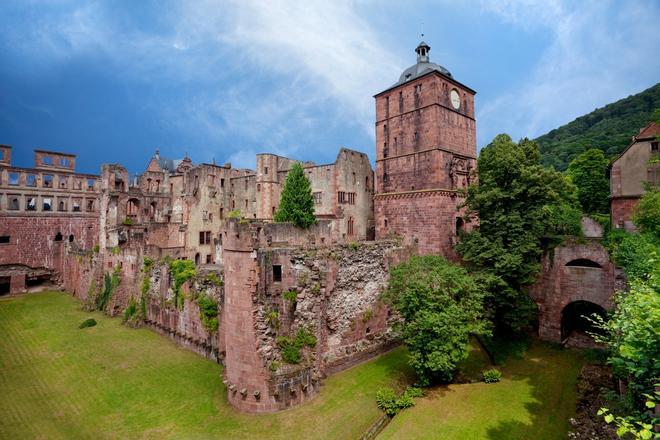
column 422, row 67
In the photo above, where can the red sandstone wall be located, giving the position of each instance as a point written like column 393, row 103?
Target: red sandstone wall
column 622, row 209
column 560, row 285
column 33, row 239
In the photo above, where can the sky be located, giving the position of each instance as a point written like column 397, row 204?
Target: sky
column 223, row 80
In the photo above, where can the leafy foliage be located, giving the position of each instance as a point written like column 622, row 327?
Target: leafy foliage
column 633, row 426
column 631, row 252
column 90, row 322
column 110, row 282
column 390, row 404
column 290, row 295
column 208, row 311
column 493, row 375
column 291, row 346
column 647, row 212
column 524, row 209
column 131, row 311
column 588, row 174
column 441, row 306
column 234, row 213
column 609, row 129
column 182, row 271
column 296, row 202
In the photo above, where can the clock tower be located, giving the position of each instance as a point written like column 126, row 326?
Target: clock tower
column 425, row 155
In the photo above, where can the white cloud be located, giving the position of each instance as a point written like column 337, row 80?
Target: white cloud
column 598, row 54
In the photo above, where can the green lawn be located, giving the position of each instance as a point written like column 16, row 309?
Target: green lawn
column 534, row 400
column 109, row 381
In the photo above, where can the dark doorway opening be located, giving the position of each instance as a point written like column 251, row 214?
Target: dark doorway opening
column 5, row 285
column 575, row 318
column 583, row 262
column 37, row 280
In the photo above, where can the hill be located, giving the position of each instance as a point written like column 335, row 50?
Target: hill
column 609, row 128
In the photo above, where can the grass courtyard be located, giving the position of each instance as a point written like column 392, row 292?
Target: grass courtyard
column 109, row 381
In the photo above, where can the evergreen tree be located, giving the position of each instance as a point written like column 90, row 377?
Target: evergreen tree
column 587, row 172
column 296, row 202
column 523, row 209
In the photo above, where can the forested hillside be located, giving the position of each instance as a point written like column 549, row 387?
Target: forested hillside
column 609, row 128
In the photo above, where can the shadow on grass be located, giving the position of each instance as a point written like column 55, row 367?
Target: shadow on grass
column 553, row 392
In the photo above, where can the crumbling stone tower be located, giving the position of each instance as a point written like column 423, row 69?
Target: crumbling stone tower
column 425, row 154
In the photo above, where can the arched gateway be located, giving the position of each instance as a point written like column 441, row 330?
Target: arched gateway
column 576, row 280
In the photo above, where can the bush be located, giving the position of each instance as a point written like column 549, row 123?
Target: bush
column 291, row 346
column 127, row 222
column 131, row 310
column 493, row 375
column 388, row 402
column 290, row 295
column 234, row 213
column 182, row 271
column 213, row 278
column 208, row 312
column 91, row 322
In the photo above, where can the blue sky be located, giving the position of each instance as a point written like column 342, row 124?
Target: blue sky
column 113, row 81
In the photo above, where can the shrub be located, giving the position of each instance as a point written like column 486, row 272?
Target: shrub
column 214, row 279
column 182, row 271
column 127, row 221
column 647, row 212
column 493, row 375
column 234, row 213
column 96, row 249
column 388, row 402
column 208, row 311
column 291, row 346
column 273, row 319
column 131, row 310
column 90, row 322
column 290, row 295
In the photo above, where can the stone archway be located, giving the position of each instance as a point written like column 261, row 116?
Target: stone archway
column 574, row 273
column 575, row 318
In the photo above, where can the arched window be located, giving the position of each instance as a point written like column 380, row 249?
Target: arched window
column 459, row 225
column 583, row 262
column 71, row 238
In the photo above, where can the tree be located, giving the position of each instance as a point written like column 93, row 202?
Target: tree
column 524, row 209
column 587, row 172
column 296, row 202
column 441, row 306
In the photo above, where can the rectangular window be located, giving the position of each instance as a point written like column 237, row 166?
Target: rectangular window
column 354, row 179
column 61, row 206
column 204, row 237
column 48, row 204
column 13, row 178
column 14, row 203
column 31, row 180
column 277, row 273
column 222, row 213
column 30, row 203
column 201, row 237
column 655, row 147
column 90, row 205
column 222, row 183
column 265, row 170
column 48, row 181
column 78, row 184
column 76, row 205
column 246, row 184
column 5, row 239
column 317, row 198
column 351, row 198
column 90, row 184
column 341, row 197
column 246, row 204
column 64, row 162
column 208, row 259
column 63, row 182
column 46, row 160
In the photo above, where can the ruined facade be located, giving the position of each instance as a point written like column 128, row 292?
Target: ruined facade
column 630, row 171
column 425, row 154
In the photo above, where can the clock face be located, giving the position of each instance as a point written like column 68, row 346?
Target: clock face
column 455, row 99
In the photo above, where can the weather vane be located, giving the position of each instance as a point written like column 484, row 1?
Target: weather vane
column 422, row 29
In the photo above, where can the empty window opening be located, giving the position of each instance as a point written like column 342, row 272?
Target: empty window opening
column 31, row 204
column 63, row 182
column 277, row 273
column 14, row 204
column 222, row 183
column 655, row 147
column 208, row 259
column 61, row 206
column 46, row 160
column 90, row 205
column 31, row 180
column 583, row 262
column 48, row 204
column 64, row 162
column 59, row 237
column 367, row 330
column 71, row 238
column 13, row 178
column 76, row 205
column 265, row 170
column 48, row 181
column 197, row 259
column 5, row 239
column 385, row 223
column 366, row 184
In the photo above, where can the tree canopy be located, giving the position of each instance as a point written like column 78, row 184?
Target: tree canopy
column 608, row 128
column 296, row 201
column 524, row 209
column 588, row 174
column 441, row 306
